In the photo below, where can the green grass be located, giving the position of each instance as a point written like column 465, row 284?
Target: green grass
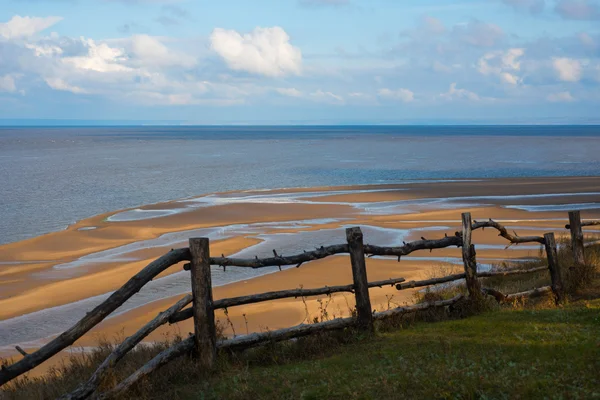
column 552, row 353
column 549, row 353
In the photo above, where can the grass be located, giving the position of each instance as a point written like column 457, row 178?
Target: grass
column 505, row 354
column 521, row 351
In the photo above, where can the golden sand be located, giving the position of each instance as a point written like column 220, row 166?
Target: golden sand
column 25, row 287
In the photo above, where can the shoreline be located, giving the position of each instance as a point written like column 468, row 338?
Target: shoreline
column 293, row 189
column 62, row 268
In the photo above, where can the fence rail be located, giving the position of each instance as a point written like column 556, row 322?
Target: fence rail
column 204, row 342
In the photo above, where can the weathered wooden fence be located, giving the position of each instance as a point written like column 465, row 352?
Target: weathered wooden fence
column 204, row 342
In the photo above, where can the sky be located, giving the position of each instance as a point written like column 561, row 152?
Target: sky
column 300, row 61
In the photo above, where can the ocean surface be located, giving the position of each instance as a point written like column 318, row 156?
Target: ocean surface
column 52, row 177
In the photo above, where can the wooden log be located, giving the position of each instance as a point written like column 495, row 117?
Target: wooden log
column 364, row 311
column 529, row 293
column 173, row 352
column 94, row 317
column 576, row 237
column 499, row 296
column 281, row 260
column 258, row 298
column 202, row 306
column 490, row 274
column 86, row 389
column 554, row 267
column 503, row 298
column 456, row 277
column 20, row 350
column 323, row 252
column 414, row 308
column 585, row 223
column 432, row 281
column 469, row 261
column 513, row 239
column 386, row 282
column 255, row 339
column 283, row 294
column 410, row 247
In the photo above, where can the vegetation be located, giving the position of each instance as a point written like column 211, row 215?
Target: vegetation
column 526, row 350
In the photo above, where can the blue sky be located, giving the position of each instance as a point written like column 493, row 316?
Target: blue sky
column 301, row 61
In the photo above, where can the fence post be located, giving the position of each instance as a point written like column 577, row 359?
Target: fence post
column 576, row 237
column 554, row 266
column 364, row 312
column 204, row 315
column 469, row 261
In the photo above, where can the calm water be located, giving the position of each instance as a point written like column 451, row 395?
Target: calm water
column 51, row 177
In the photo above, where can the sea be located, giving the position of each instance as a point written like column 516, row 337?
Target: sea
column 51, row 177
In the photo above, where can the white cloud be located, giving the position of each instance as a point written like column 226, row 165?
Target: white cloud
column 99, row 58
column 59, row 84
column 568, row 69
column 401, row 94
column 22, row 27
column 561, row 97
column 328, row 97
column 152, row 52
column 7, row 84
column 359, row 95
column 509, row 59
column 507, row 77
column 291, row 92
column 265, row 51
column 503, row 64
column 47, row 50
column 459, row 94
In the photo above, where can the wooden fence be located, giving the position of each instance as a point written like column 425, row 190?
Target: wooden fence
column 204, row 342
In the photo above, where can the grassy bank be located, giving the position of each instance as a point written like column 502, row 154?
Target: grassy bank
column 524, row 350
column 506, row 354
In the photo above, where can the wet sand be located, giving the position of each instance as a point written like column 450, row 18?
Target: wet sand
column 97, row 255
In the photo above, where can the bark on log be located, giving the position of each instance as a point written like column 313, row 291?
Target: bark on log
column 20, row 350
column 95, row 316
column 364, row 311
column 323, row 252
column 469, row 261
column 529, row 293
column 86, row 389
column 576, row 237
column 427, row 282
column 585, row 223
column 410, row 247
column 516, row 239
column 511, row 272
column 281, row 260
column 283, row 294
column 503, row 298
column 204, row 314
column 254, row 339
column 554, row 266
column 417, row 307
column 499, row 296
